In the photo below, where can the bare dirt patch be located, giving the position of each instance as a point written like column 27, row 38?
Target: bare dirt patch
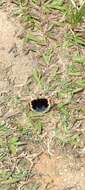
column 61, row 172
column 14, row 66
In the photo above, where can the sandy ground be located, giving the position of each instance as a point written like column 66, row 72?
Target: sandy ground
column 14, row 66
column 62, row 171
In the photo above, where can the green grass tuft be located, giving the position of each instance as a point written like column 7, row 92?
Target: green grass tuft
column 74, row 15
